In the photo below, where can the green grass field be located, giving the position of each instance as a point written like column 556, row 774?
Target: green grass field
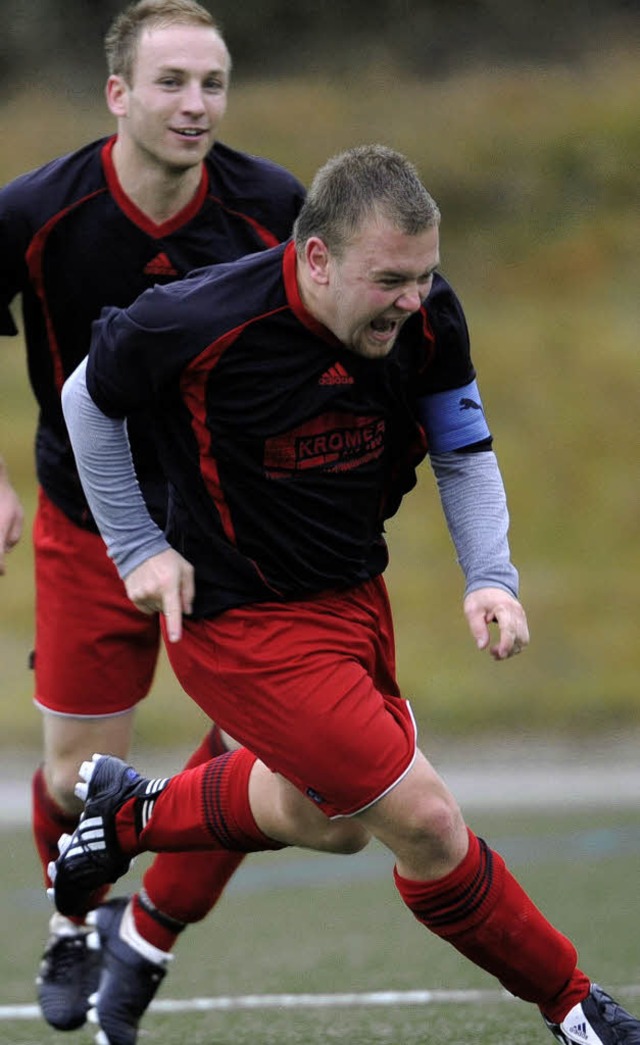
column 295, row 924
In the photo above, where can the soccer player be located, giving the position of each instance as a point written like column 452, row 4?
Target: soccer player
column 95, row 228
column 295, row 392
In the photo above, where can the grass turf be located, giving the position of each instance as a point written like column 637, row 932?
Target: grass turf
column 294, row 923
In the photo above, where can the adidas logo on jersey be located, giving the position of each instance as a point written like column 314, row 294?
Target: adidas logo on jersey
column 160, row 266
column 336, row 375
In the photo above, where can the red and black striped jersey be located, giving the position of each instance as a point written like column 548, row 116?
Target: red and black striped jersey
column 71, row 243
column 285, row 452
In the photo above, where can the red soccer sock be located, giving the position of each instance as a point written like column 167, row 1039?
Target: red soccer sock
column 485, row 914
column 48, row 822
column 202, row 808
column 168, row 903
column 212, row 746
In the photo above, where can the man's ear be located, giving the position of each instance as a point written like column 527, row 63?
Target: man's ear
column 318, row 259
column 116, row 94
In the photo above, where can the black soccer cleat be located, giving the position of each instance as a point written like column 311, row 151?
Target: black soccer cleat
column 92, row 856
column 129, row 980
column 68, row 975
column 598, row 1020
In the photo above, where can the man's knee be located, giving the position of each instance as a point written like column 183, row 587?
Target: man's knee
column 61, row 777
column 435, row 819
column 346, row 837
column 69, row 741
column 420, row 822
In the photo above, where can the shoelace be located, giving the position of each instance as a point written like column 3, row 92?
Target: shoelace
column 66, row 950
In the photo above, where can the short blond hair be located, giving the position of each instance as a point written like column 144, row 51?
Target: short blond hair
column 121, row 40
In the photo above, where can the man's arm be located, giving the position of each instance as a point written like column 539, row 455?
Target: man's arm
column 157, row 579
column 11, row 512
column 11, row 516
column 475, row 508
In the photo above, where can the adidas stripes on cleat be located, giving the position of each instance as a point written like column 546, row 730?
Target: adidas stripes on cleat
column 598, row 1020
column 92, row 856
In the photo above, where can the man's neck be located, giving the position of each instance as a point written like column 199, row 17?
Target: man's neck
column 159, row 193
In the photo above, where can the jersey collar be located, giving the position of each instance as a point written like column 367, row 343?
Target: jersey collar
column 292, row 291
column 134, row 213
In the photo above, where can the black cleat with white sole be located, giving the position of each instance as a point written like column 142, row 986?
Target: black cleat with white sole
column 129, row 979
column 92, row 856
column 69, row 974
column 598, row 1020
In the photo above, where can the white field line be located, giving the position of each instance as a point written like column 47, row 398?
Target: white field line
column 311, row 1001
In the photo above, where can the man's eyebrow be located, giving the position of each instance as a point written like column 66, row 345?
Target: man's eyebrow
column 400, row 274
column 218, row 70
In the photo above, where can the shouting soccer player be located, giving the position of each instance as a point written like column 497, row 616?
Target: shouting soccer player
column 294, row 393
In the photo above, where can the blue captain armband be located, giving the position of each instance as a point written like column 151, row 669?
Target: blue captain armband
column 454, row 418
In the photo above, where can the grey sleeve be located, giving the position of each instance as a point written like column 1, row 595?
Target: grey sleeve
column 475, row 508
column 103, row 456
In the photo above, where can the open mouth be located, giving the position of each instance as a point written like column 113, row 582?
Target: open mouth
column 384, row 327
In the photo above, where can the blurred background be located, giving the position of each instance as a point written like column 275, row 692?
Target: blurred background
column 524, row 120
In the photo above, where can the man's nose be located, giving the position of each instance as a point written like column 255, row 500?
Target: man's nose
column 409, row 300
column 192, row 98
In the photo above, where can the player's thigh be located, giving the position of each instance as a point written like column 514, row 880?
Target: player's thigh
column 283, row 812
column 309, row 688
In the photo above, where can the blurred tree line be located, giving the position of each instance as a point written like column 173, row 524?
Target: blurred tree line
column 61, row 40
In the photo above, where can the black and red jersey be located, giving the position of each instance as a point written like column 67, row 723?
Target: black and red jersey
column 72, row 243
column 285, row 452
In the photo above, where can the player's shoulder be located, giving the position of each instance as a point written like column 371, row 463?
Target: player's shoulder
column 242, row 175
column 228, row 292
column 444, row 309
column 245, row 283
column 442, row 293
column 57, row 183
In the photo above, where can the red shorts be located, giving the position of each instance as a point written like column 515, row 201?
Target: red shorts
column 310, row 688
column 95, row 653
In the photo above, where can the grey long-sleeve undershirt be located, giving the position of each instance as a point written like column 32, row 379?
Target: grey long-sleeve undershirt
column 103, row 456
column 475, row 508
column 470, row 486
